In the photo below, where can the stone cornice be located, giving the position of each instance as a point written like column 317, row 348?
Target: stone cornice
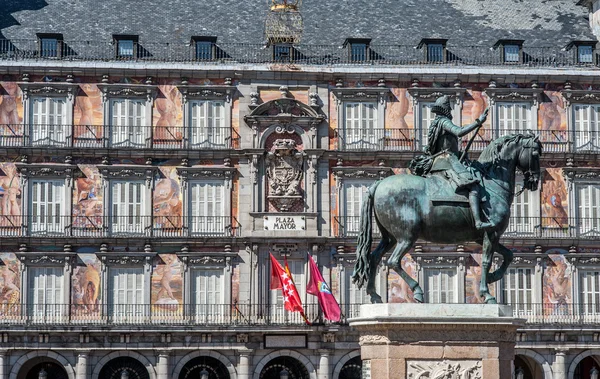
column 206, row 172
column 379, row 94
column 120, row 90
column 513, row 94
column 360, row 172
column 215, row 92
column 581, row 96
column 128, row 172
column 432, row 93
column 65, row 89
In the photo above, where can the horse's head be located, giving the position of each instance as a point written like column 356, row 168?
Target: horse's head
column 528, row 161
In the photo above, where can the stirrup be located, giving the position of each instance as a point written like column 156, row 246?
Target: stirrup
column 480, row 225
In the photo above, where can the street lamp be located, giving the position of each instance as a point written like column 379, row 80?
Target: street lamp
column 519, row 373
column 284, row 374
column 124, row 374
column 43, row 374
column 594, row 373
column 204, row 374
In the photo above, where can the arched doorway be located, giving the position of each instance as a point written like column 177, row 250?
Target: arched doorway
column 212, row 366
column 31, row 369
column 352, row 369
column 124, row 367
column 295, row 369
column 586, row 367
column 527, row 368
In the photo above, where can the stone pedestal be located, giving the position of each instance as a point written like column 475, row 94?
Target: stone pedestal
column 415, row 341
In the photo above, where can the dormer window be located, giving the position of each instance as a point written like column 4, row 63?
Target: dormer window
column 511, row 51
column 358, row 49
column 435, row 49
column 282, row 52
column 584, row 51
column 50, row 45
column 205, row 47
column 126, row 46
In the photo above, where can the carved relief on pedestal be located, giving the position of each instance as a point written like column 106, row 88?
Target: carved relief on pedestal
column 285, row 171
column 444, row 369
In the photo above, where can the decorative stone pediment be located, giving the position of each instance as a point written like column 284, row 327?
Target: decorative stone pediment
column 207, row 260
column 360, row 172
column 379, row 94
column 206, row 172
column 126, row 260
column 54, row 171
column 68, row 90
column 120, row 90
column 207, row 92
column 581, row 96
column 284, row 111
column 513, row 94
column 128, row 172
column 581, row 174
column 44, row 259
column 432, row 93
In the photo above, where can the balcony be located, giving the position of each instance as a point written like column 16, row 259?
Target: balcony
column 112, row 137
column 412, row 140
column 519, row 227
column 228, row 53
column 119, row 226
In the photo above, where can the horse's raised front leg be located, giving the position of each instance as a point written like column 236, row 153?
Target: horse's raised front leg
column 486, row 262
column 507, row 257
column 395, row 262
column 384, row 246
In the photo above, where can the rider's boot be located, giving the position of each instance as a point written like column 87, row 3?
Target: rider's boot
column 476, row 210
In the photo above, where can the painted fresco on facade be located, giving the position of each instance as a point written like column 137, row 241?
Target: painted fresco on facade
column 88, row 116
column 86, row 287
column 168, row 117
column 167, row 286
column 10, row 194
column 333, row 120
column 473, row 279
column 552, row 116
column 168, row 200
column 11, row 107
column 88, row 199
column 399, row 291
column 10, row 285
column 554, row 199
column 557, row 283
column 397, row 111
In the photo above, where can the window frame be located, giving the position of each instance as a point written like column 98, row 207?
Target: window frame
column 344, row 204
column 455, row 287
column 508, row 95
column 57, row 38
column 365, row 53
column 576, row 47
column 532, row 225
column 135, row 47
column 523, row 309
column 430, row 54
column 222, row 219
column 212, row 50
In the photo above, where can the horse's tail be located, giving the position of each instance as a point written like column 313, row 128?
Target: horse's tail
column 365, row 239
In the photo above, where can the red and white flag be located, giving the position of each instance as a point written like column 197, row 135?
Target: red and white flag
column 318, row 287
column 282, row 279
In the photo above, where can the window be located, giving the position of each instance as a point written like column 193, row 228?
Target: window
column 278, row 313
column 514, row 118
column 207, row 208
column 426, row 118
column 48, row 121
column 282, row 52
column 585, row 54
column 511, row 53
column 205, row 47
column 207, row 294
column 355, row 296
column 355, row 192
column 441, row 285
column 360, row 120
column 128, row 123
column 589, row 209
column 46, row 293
column 518, row 290
column 128, row 210
column 524, row 212
column 207, row 124
column 50, row 45
column 587, row 127
column 126, row 294
column 126, row 46
column 590, row 292
column 358, row 49
column 47, row 207
column 435, row 52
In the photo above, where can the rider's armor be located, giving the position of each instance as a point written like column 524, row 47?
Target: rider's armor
column 443, row 140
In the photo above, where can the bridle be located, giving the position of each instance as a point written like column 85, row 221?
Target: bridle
column 529, row 174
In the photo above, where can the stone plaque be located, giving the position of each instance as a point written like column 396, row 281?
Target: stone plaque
column 366, row 369
column 285, row 223
column 280, row 341
column 467, row 369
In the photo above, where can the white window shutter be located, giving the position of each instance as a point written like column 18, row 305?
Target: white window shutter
column 207, row 207
column 518, row 290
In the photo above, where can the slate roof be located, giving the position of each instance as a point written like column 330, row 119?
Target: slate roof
column 328, row 22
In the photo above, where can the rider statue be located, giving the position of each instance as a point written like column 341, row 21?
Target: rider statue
column 443, row 137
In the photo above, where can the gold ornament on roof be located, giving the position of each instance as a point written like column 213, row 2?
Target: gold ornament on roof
column 284, row 22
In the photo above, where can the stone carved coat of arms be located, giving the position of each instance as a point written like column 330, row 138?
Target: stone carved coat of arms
column 284, row 171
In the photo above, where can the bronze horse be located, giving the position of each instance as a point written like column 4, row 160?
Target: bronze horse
column 409, row 207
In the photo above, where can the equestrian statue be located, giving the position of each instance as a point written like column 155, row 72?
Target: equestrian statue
column 447, row 199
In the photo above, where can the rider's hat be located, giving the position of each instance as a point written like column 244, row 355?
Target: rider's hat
column 442, row 106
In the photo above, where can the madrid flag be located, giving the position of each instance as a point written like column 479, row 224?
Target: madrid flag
column 282, row 279
column 318, row 287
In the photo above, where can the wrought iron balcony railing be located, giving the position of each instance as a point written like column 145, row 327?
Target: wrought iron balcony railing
column 118, row 137
column 519, row 227
column 119, row 226
column 456, row 55
column 412, row 140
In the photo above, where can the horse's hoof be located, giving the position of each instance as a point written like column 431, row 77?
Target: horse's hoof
column 489, row 299
column 418, row 295
column 376, row 299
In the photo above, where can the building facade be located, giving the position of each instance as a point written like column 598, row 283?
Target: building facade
column 148, row 172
